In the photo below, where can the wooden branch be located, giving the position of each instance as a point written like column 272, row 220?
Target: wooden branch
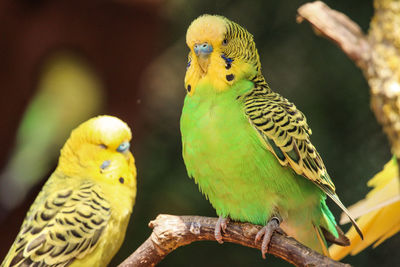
column 338, row 28
column 171, row 232
column 378, row 55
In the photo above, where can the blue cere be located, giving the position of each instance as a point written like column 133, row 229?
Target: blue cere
column 203, row 49
column 123, row 147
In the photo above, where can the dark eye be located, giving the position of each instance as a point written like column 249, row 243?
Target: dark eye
column 123, row 147
column 225, row 42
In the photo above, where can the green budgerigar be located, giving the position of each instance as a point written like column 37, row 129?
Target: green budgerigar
column 247, row 147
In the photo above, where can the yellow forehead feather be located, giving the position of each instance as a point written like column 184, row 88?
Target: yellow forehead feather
column 206, row 28
column 106, row 130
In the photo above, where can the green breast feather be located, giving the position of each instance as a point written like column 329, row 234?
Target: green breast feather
column 229, row 161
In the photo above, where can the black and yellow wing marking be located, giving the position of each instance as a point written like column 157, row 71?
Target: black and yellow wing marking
column 65, row 226
column 287, row 135
column 286, row 132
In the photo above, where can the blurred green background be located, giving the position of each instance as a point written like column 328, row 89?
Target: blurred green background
column 129, row 58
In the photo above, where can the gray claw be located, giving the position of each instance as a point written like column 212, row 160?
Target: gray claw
column 267, row 231
column 222, row 223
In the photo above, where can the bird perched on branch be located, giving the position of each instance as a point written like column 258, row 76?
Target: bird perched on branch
column 378, row 214
column 80, row 216
column 247, row 147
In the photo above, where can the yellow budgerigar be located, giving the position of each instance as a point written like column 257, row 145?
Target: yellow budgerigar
column 81, row 215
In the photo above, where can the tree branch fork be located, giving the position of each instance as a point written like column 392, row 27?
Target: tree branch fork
column 171, row 232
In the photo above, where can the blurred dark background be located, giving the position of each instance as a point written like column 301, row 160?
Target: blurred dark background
column 130, row 56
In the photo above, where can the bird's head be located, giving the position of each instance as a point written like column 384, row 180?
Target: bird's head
column 220, row 51
column 99, row 149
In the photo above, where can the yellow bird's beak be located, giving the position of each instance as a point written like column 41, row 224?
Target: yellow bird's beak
column 203, row 52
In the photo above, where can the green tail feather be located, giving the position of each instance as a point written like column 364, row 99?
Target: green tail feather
column 330, row 229
column 328, row 220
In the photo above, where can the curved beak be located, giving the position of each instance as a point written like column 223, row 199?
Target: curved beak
column 203, row 52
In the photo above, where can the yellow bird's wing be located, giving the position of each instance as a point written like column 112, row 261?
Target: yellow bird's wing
column 287, row 135
column 379, row 213
column 63, row 226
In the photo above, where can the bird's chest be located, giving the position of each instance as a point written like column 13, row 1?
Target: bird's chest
column 216, row 135
column 229, row 161
column 225, row 156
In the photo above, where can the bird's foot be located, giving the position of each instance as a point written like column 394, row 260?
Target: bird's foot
column 267, row 231
column 220, row 227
